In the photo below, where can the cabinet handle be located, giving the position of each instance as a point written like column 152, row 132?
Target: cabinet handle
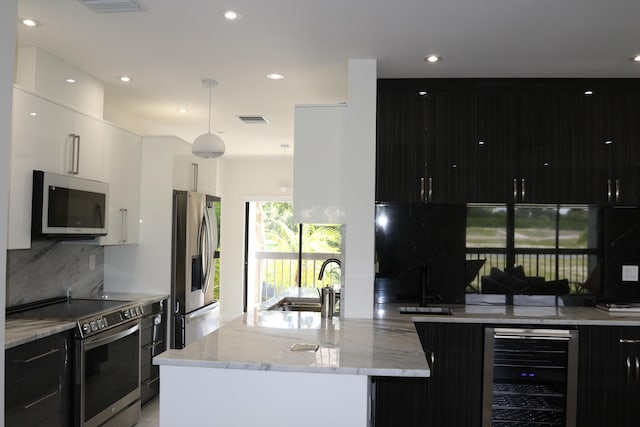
column 42, row 399
column 628, row 368
column 151, row 381
column 195, row 176
column 126, row 226
column 617, row 190
column 430, row 194
column 637, row 370
column 608, row 190
column 628, row 341
column 121, row 225
column 40, row 356
column 422, row 190
column 515, row 190
column 431, row 360
column 523, row 188
column 75, row 154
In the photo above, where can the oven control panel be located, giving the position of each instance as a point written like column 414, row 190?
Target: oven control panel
column 97, row 324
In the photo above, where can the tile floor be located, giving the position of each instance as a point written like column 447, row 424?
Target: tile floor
column 150, row 416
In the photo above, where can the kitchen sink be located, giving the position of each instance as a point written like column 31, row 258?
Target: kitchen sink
column 296, row 304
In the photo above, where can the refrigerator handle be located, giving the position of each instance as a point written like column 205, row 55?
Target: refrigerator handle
column 208, row 254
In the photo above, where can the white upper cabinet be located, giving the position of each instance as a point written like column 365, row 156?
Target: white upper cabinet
column 192, row 173
column 122, row 166
column 46, row 136
column 317, row 165
column 39, row 139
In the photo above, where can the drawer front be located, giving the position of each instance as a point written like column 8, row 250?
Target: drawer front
column 37, row 381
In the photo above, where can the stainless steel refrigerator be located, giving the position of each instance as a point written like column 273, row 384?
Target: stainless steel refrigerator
column 195, row 266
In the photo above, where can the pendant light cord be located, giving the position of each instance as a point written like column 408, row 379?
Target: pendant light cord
column 209, row 108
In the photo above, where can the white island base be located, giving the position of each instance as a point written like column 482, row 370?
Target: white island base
column 203, row 396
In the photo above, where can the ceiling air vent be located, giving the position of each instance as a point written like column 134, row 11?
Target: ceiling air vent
column 111, row 6
column 254, row 120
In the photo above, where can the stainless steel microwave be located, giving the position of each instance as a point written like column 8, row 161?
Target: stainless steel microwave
column 68, row 207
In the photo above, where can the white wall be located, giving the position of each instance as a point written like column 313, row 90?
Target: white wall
column 8, row 28
column 242, row 180
column 359, row 189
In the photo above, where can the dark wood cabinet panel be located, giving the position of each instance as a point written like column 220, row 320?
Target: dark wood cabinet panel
column 509, row 141
column 455, row 386
column 400, row 157
column 37, row 383
column 452, row 396
column 608, row 376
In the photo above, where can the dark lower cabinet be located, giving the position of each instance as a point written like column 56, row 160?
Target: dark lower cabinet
column 153, row 342
column 37, row 383
column 609, row 376
column 451, row 397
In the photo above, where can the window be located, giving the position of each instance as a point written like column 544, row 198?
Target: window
column 547, row 244
column 280, row 254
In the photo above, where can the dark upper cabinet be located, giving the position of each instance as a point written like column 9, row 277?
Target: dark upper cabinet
column 509, row 141
column 400, row 149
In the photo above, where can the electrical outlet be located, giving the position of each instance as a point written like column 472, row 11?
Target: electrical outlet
column 92, row 262
column 629, row 273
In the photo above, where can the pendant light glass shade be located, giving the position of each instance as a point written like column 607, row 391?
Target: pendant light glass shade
column 208, row 145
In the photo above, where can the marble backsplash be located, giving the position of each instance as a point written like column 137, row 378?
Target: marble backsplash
column 49, row 268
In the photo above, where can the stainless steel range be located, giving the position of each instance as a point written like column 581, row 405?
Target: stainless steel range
column 106, row 358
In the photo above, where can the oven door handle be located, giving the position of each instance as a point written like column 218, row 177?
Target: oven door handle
column 96, row 342
column 541, row 334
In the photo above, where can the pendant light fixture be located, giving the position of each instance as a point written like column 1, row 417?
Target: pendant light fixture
column 208, row 145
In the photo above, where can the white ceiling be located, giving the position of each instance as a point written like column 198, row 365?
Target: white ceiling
column 172, row 44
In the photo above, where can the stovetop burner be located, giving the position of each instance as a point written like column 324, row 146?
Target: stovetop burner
column 91, row 315
column 72, row 309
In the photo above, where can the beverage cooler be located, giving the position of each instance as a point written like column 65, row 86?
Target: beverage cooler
column 530, row 377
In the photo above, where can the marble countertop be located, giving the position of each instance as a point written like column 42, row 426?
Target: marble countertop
column 556, row 315
column 21, row 331
column 262, row 340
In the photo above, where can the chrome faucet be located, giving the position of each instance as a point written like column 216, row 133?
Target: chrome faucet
column 325, row 263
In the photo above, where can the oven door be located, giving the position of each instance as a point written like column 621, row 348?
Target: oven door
column 108, row 374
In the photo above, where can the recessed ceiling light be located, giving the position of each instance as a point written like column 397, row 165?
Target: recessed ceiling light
column 275, row 76
column 125, row 79
column 432, row 58
column 33, row 114
column 30, row 22
column 182, row 110
column 422, row 93
column 636, row 58
column 588, row 92
column 70, row 80
column 480, row 142
column 231, row 15
column 608, row 142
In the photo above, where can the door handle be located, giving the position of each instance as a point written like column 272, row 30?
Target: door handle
column 429, row 197
column 422, row 190
column 628, row 369
column 515, row 190
column 617, row 190
column 637, row 370
column 609, row 190
column 523, row 188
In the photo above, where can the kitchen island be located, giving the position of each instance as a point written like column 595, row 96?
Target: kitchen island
column 246, row 371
